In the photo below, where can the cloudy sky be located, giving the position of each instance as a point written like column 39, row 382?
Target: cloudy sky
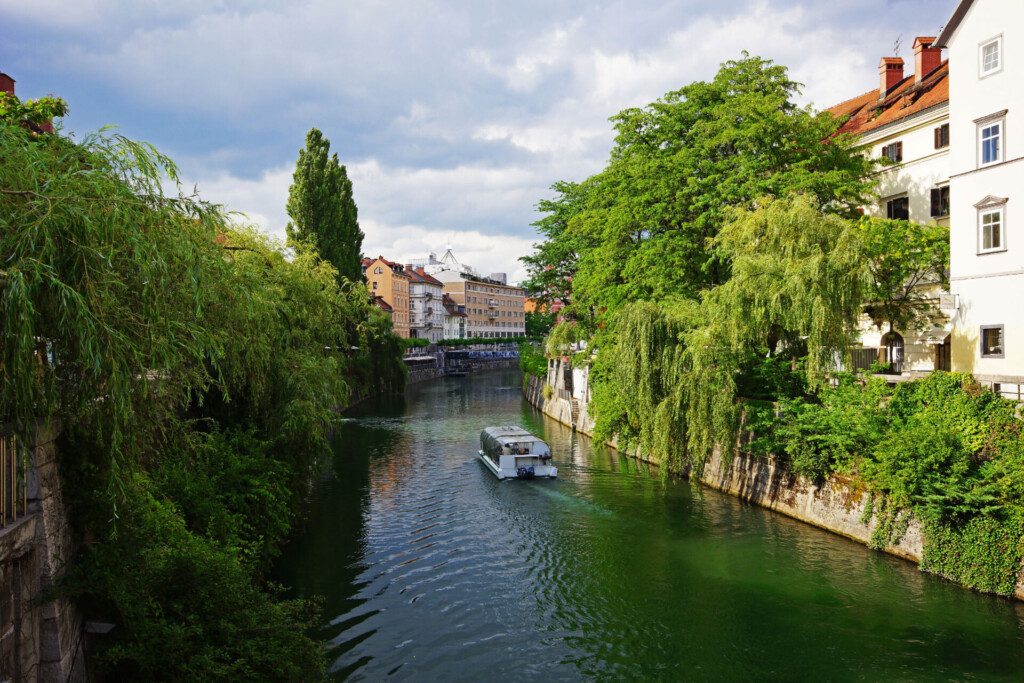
column 453, row 117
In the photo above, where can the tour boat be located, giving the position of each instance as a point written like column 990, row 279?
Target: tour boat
column 514, row 453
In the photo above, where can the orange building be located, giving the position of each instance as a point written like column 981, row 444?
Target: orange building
column 388, row 281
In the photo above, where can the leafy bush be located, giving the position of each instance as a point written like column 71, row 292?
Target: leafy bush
column 532, row 360
column 479, row 341
column 983, row 553
column 185, row 607
column 825, row 436
column 942, row 448
column 415, row 343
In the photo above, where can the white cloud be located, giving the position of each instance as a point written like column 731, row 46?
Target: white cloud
column 454, row 118
column 470, row 194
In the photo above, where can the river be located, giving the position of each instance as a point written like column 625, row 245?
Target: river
column 431, row 569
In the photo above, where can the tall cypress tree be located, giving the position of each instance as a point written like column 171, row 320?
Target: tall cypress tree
column 322, row 209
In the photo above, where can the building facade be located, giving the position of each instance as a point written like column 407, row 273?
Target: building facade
column 426, row 311
column 905, row 122
column 985, row 42
column 493, row 309
column 454, row 318
column 388, row 281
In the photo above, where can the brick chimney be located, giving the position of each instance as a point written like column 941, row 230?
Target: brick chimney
column 890, row 72
column 6, row 83
column 926, row 58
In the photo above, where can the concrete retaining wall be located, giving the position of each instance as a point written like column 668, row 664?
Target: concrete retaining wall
column 837, row 505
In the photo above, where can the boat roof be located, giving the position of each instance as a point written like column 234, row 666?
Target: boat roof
column 512, row 433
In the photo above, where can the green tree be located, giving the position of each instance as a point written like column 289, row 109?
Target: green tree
column 666, row 377
column 908, row 263
column 539, row 323
column 678, row 168
column 321, row 207
column 552, row 266
column 195, row 371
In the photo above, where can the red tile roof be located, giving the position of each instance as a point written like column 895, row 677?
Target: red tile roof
column 866, row 112
column 382, row 305
column 420, row 275
column 450, row 306
column 397, row 268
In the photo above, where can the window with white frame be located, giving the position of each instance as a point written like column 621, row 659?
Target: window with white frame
column 991, row 230
column 990, row 142
column 990, row 56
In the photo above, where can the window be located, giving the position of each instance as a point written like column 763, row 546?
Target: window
column 990, row 141
column 893, row 152
column 992, row 341
column 377, row 270
column 375, row 285
column 898, row 208
column 990, row 57
column 940, row 202
column 942, row 136
column 990, row 229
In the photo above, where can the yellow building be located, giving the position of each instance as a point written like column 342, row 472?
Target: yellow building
column 388, row 281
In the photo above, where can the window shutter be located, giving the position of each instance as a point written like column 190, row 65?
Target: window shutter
column 936, row 201
column 938, row 144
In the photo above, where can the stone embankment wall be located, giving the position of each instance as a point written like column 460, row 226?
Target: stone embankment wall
column 837, row 505
column 39, row 640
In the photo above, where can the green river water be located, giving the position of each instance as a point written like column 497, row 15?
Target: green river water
column 431, row 569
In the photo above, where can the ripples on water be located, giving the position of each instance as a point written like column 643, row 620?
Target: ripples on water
column 433, row 569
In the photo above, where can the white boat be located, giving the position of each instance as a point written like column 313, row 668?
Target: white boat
column 514, row 453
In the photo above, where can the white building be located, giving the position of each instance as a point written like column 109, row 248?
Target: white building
column 985, row 39
column 426, row 312
column 454, row 318
column 906, row 120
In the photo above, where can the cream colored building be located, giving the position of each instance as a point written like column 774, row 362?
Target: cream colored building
column 985, row 42
column 493, row 309
column 906, row 120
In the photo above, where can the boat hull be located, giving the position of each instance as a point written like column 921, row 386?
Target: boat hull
column 540, row 472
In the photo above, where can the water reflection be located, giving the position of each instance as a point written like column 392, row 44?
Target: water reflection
column 432, row 568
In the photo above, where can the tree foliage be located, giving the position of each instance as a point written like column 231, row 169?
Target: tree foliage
column 195, row 370
column 553, row 264
column 667, row 377
column 322, row 209
column 641, row 229
column 908, row 263
column 539, row 323
column 31, row 114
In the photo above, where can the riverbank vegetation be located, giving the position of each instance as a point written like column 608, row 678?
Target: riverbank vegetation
column 943, row 448
column 718, row 269
column 195, row 368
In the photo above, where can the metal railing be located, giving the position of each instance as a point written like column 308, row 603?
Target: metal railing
column 13, row 480
column 862, row 358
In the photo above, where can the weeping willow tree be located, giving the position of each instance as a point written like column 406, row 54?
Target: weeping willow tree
column 666, row 376
column 194, row 369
